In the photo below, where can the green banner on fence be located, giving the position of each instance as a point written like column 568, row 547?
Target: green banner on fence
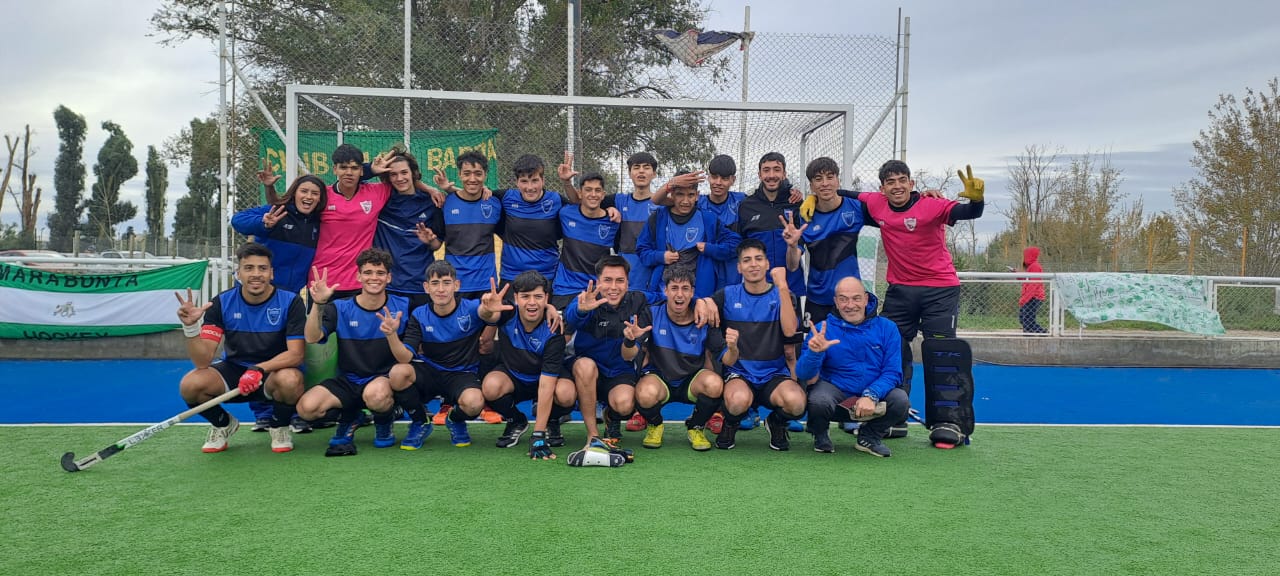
column 433, row 149
column 1180, row 302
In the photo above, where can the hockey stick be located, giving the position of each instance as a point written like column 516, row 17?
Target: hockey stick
column 70, row 464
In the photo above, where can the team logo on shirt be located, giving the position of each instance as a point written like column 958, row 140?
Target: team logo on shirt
column 366, row 205
column 547, row 206
column 273, row 316
column 536, row 342
column 910, row 223
column 464, row 322
column 690, row 234
column 603, row 231
column 486, row 210
column 847, row 218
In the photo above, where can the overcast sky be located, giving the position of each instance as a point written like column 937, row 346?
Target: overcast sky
column 987, row 78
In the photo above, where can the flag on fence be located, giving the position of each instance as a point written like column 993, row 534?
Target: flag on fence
column 44, row 305
column 1180, row 302
column 694, row 47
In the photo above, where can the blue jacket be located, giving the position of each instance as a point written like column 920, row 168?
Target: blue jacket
column 867, row 359
column 292, row 242
column 662, row 232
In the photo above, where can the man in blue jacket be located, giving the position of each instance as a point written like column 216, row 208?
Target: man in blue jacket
column 854, row 363
column 683, row 234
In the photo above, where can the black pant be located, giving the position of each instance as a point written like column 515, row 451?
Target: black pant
column 928, row 309
column 824, row 400
column 1027, row 315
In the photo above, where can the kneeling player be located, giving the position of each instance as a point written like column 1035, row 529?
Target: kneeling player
column 261, row 331
column 531, row 355
column 678, row 363
column 763, row 315
column 441, row 358
column 368, row 326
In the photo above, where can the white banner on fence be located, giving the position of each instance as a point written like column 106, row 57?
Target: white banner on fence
column 1180, row 302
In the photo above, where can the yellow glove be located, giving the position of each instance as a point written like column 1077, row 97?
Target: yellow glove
column 973, row 187
column 808, row 207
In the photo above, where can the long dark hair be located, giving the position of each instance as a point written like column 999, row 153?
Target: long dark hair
column 287, row 199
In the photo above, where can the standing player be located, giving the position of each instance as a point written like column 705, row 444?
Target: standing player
column 683, row 234
column 635, row 209
column 409, row 227
column 368, row 326
column 603, row 365
column 348, row 219
column 530, row 228
column 442, row 340
column 721, row 201
column 470, row 220
column 757, row 374
column 589, row 235
column 679, row 363
column 831, row 236
column 260, row 329
column 531, row 355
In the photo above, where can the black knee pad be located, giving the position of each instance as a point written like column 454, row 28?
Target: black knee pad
column 948, row 381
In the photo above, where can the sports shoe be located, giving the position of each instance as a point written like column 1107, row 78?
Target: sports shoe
column 636, row 423
column 299, row 425
column 384, row 435
column 488, row 415
column 652, row 436
column 725, row 440
column 458, row 433
column 612, row 428
column 512, row 433
column 414, row 437
column 216, row 441
column 442, row 416
column 822, row 442
column 794, row 426
column 281, row 439
column 698, row 439
column 555, row 437
column 364, row 419
column 343, row 441
column 897, row 431
column 715, row 423
column 261, row 424
column 872, row 446
column 779, row 439
column 750, row 420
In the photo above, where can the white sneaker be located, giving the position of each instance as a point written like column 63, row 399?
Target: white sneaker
column 217, row 439
column 281, row 439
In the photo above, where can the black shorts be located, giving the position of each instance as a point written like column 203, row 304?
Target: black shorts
column 816, row 312
column 231, row 373
column 678, row 390
column 349, row 395
column 761, row 391
column 416, row 299
column 523, row 390
column 929, row 309
column 432, row 382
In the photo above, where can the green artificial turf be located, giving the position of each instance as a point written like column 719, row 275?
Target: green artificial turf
column 1020, row 500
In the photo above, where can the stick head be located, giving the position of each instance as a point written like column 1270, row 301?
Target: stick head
column 69, row 462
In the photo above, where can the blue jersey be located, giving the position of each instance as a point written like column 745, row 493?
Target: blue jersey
column 832, row 238
column 727, row 213
column 363, row 350
column 396, row 234
column 292, row 242
column 598, row 333
column 586, row 241
column 758, row 218
column 530, row 234
column 677, row 351
column 634, row 215
column 254, row 333
column 469, row 226
column 529, row 354
column 450, row 343
column 758, row 320
column 667, row 231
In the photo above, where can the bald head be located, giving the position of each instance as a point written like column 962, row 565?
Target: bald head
column 851, row 300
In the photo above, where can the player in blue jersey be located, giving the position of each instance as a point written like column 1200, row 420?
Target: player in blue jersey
column 530, row 227
column 722, row 201
column 683, row 234
column 440, row 358
column 470, row 221
column 368, row 326
column 679, row 364
column 831, row 236
column 589, row 235
column 260, row 329
column 761, row 316
column 604, row 365
column 531, row 355
column 410, row 227
column 635, row 209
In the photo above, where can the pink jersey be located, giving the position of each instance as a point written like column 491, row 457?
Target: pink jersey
column 914, row 240
column 346, row 229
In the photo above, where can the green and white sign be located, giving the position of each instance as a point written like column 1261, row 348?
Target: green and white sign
column 42, row 305
column 1180, row 302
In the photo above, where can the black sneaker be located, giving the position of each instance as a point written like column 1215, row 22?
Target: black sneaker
column 872, row 446
column 822, row 442
column 779, row 439
column 897, row 431
column 555, row 438
column 725, row 440
column 341, row 449
column 612, row 428
column 512, row 433
column 261, row 424
column 299, row 425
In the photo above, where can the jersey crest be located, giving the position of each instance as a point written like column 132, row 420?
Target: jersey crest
column 547, row 205
column 366, row 205
column 486, row 210
column 464, row 322
column 603, row 231
column 273, row 316
column 910, row 223
column 690, row 234
column 847, row 218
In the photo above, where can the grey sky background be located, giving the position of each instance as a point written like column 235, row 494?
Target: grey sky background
column 988, row 78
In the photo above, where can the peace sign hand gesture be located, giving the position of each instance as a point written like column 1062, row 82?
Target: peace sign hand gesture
column 425, row 235
column 321, row 291
column 273, row 216
column 188, row 313
column 973, row 187
column 818, row 342
column 631, row 331
column 266, row 176
column 492, row 301
column 442, row 181
column 790, row 234
column 390, row 322
column 590, row 299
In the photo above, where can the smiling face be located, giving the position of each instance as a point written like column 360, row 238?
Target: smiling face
column 306, row 197
column 753, row 265
column 613, row 284
column 897, row 188
column 591, row 194
column 851, row 300
column 472, row 177
column 374, row 278
column 255, row 275
column 824, row 185
column 771, row 174
column 531, row 304
column 348, row 174
column 441, row 289
column 641, row 174
column 684, row 200
column 530, row 186
column 401, row 176
column 720, row 186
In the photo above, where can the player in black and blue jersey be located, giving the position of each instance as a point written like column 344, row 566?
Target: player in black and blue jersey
column 531, row 355
column 260, row 328
column 410, row 227
column 442, row 342
column 589, row 235
column 635, row 209
column 470, row 221
column 368, row 326
column 831, row 237
column 680, row 360
column 757, row 374
column 530, row 228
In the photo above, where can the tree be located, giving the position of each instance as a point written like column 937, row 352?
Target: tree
column 197, row 213
column 157, row 183
column 115, row 166
column 27, row 197
column 68, row 179
column 1235, row 199
column 1035, row 180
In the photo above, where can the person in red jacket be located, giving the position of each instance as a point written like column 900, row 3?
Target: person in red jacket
column 1032, row 293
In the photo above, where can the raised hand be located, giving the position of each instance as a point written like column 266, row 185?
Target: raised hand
column 731, row 338
column 631, row 331
column 818, row 342
column 492, row 301
column 273, row 216
column 779, row 276
column 390, row 322
column 266, row 176
column 690, row 180
column 321, row 291
column 381, row 163
column 188, row 312
column 425, row 235
column 590, row 299
column 565, row 171
column 790, row 234
column 973, row 187
column 441, row 180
